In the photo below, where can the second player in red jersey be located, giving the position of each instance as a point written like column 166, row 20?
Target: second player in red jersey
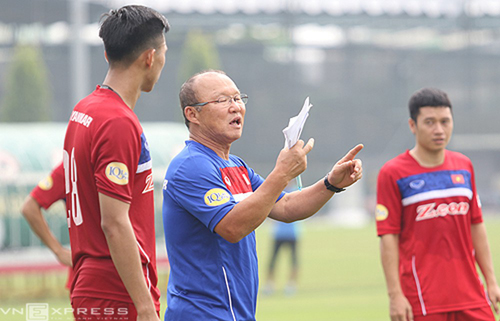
column 430, row 224
column 47, row 192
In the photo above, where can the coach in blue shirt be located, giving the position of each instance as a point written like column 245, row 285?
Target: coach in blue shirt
column 213, row 202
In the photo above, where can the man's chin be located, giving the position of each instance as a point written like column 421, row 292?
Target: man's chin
column 236, row 137
column 438, row 148
column 147, row 89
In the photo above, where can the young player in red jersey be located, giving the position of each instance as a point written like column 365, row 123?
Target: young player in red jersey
column 47, row 192
column 430, row 224
column 109, row 183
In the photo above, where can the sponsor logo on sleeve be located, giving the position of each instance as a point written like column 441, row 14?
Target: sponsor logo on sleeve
column 381, row 212
column 216, row 197
column 46, row 183
column 117, row 173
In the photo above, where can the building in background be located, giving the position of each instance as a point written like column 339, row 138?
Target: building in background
column 356, row 59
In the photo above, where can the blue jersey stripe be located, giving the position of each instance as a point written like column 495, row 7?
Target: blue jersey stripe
column 437, row 184
column 145, row 158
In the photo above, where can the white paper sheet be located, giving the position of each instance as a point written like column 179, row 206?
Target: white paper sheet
column 296, row 124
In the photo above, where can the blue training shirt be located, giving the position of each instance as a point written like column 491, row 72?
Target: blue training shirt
column 210, row 278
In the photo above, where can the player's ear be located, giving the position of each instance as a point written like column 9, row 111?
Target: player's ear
column 149, row 57
column 413, row 125
column 106, row 57
column 191, row 114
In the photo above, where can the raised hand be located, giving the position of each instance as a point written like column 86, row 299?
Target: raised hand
column 347, row 170
column 291, row 162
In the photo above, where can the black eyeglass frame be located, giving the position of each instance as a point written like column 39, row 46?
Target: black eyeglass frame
column 243, row 97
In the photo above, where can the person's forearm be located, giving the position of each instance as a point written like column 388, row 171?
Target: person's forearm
column 482, row 252
column 300, row 205
column 33, row 215
column 399, row 306
column 303, row 204
column 125, row 255
column 124, row 252
column 249, row 214
column 389, row 253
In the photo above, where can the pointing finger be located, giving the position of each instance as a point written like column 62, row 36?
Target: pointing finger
column 353, row 152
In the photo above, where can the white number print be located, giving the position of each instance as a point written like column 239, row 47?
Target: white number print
column 70, row 177
column 149, row 184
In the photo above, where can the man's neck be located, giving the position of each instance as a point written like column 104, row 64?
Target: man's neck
column 221, row 151
column 125, row 84
column 428, row 158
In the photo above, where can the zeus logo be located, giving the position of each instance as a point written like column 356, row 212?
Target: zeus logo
column 427, row 211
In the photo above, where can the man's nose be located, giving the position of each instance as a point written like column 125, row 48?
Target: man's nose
column 234, row 106
column 439, row 128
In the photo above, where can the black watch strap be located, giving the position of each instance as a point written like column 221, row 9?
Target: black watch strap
column 332, row 188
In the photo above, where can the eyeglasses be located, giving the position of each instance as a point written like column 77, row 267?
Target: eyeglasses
column 225, row 101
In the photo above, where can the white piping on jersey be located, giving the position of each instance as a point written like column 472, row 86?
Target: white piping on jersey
column 459, row 191
column 240, row 197
column 147, row 265
column 481, row 282
column 485, row 293
column 144, row 167
column 417, row 282
column 229, row 294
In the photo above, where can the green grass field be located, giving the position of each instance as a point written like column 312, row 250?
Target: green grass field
column 340, row 278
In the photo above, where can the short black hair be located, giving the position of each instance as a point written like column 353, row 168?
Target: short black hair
column 427, row 97
column 130, row 30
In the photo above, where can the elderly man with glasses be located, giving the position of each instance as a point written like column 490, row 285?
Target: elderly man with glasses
column 213, row 202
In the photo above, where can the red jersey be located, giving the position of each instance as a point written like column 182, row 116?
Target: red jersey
column 106, row 151
column 432, row 210
column 48, row 191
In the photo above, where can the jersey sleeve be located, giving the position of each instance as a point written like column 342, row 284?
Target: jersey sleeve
column 115, row 156
column 475, row 203
column 50, row 189
column 389, row 207
column 198, row 188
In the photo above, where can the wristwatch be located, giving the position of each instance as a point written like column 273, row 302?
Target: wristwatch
column 332, row 188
